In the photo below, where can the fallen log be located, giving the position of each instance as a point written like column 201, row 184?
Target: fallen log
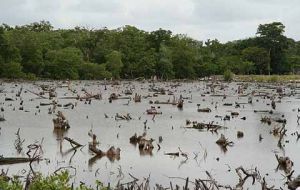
column 15, row 160
column 204, row 110
column 8, row 99
column 123, row 117
column 263, row 111
column 72, row 142
column 112, row 153
column 153, row 111
column 208, row 126
column 172, row 153
column 158, row 102
column 37, row 94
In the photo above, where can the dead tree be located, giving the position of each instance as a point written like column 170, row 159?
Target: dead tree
column 284, row 163
column 61, row 122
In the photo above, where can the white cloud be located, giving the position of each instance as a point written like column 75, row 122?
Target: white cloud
column 200, row 19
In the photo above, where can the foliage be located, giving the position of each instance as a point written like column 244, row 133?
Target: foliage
column 12, row 184
column 11, row 70
column 92, row 71
column 114, row 63
column 39, row 50
column 272, row 39
column 259, row 57
column 63, row 63
column 60, row 181
column 228, row 75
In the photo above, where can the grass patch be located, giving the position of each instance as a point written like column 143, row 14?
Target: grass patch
column 267, row 78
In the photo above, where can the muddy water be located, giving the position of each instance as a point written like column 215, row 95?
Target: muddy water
column 248, row 151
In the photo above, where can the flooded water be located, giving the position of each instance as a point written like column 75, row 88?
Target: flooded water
column 36, row 124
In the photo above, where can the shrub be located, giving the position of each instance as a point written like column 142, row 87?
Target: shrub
column 228, row 75
column 10, row 184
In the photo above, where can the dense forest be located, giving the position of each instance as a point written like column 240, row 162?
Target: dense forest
column 37, row 50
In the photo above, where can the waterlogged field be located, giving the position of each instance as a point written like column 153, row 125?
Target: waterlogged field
column 32, row 113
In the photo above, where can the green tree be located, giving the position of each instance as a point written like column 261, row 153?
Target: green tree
column 159, row 37
column 272, row 39
column 11, row 70
column 63, row 64
column 146, row 65
column 92, row 71
column 114, row 63
column 259, row 57
column 183, row 57
column 164, row 66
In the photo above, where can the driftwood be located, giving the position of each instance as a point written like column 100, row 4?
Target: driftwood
column 266, row 120
column 72, row 142
column 295, row 183
column 204, row 110
column 240, row 134
column 60, row 122
column 161, row 91
column 15, row 160
column 153, row 111
column 8, row 99
column 43, row 97
column 19, row 92
column 137, row 98
column 112, row 153
column 284, row 163
column 205, row 126
column 144, row 144
column 180, row 102
column 254, row 175
column 128, row 92
column 167, row 102
column 123, row 117
column 273, row 104
column 263, row 111
column 224, row 142
column 235, row 113
column 113, row 96
column 52, row 93
column 89, row 96
column 269, row 120
column 172, row 153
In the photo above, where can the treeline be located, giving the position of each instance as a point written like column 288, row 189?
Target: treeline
column 39, row 50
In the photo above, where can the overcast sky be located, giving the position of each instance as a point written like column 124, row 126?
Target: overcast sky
column 225, row 20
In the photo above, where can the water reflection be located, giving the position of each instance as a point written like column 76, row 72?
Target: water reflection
column 59, row 134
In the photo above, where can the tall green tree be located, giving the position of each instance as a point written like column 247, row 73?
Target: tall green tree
column 271, row 37
column 183, row 57
column 164, row 66
column 259, row 57
column 63, row 64
column 114, row 63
